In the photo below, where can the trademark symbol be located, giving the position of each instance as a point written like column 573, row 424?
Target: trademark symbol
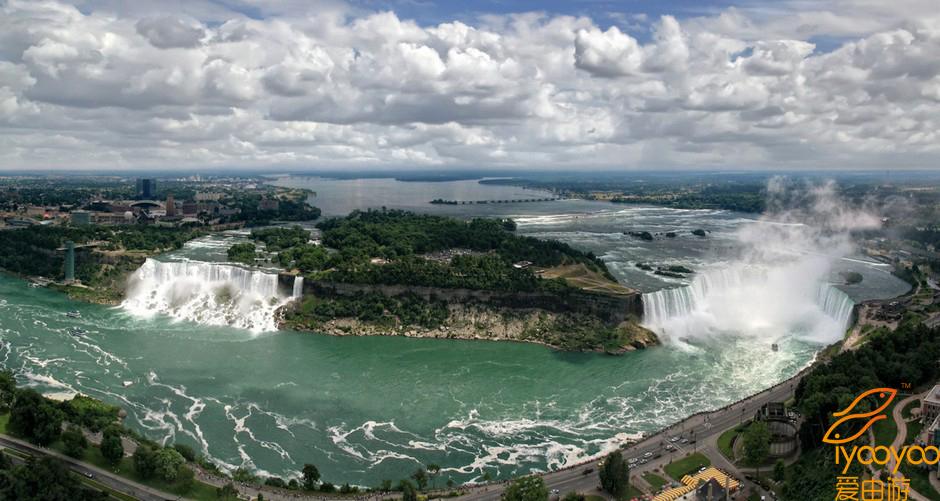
column 905, row 385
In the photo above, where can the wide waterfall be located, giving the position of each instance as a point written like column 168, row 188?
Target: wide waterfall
column 207, row 293
column 751, row 301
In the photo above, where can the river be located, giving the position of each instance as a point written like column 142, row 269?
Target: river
column 367, row 408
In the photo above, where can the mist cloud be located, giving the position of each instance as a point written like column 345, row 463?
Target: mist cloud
column 777, row 288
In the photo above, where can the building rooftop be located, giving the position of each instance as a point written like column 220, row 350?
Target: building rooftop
column 934, row 396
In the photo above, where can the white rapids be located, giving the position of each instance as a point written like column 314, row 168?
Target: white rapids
column 748, row 300
column 207, row 293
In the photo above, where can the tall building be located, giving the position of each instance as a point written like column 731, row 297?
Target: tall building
column 930, row 405
column 933, row 438
column 81, row 217
column 69, row 261
column 170, row 205
column 146, row 187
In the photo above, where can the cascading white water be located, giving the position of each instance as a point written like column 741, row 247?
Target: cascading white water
column 750, row 300
column 207, row 293
column 298, row 287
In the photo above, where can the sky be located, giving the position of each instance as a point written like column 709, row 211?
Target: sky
column 492, row 84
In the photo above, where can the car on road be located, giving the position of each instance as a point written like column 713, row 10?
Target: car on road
column 588, row 471
column 555, row 491
column 88, row 474
column 631, row 465
column 643, row 461
column 631, row 460
column 648, row 455
column 674, row 439
column 684, row 440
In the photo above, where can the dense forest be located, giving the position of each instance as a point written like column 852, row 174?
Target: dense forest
column 394, row 233
column 391, row 247
column 372, row 307
column 910, row 355
column 709, row 198
column 33, row 250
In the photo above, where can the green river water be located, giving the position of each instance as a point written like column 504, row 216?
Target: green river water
column 367, row 408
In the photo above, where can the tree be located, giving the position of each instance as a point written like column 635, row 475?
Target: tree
column 227, row 491
column 408, row 492
column 145, row 461
column 386, row 485
column 615, row 476
column 111, row 447
column 185, row 478
column 167, row 464
column 755, row 444
column 311, row 476
column 780, row 470
column 48, row 424
column 573, row 496
column 75, row 442
column 7, row 388
column 526, row 489
column 33, row 416
column 45, row 478
column 244, row 476
column 275, row 482
column 433, row 470
column 421, row 478
column 186, row 451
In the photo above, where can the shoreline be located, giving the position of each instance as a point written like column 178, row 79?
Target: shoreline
column 571, row 332
column 476, row 338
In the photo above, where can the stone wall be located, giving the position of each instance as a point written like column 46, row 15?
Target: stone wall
column 612, row 310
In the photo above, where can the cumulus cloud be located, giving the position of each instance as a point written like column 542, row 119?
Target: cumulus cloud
column 169, row 32
column 749, row 87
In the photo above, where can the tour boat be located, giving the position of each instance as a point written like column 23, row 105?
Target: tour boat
column 74, row 313
column 78, row 331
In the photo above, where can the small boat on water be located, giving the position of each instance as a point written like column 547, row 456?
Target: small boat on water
column 34, row 285
column 774, row 347
column 74, row 313
column 128, row 383
column 78, row 331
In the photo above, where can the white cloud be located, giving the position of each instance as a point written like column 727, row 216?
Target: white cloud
column 193, row 84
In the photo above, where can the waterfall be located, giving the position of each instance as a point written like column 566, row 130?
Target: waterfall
column 298, row 287
column 754, row 301
column 206, row 293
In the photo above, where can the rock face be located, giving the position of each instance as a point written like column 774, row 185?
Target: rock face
column 612, row 310
column 578, row 322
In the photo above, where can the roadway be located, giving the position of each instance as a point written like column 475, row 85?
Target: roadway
column 701, row 426
column 86, row 470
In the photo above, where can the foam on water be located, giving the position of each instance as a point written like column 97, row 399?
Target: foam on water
column 752, row 301
column 206, row 293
